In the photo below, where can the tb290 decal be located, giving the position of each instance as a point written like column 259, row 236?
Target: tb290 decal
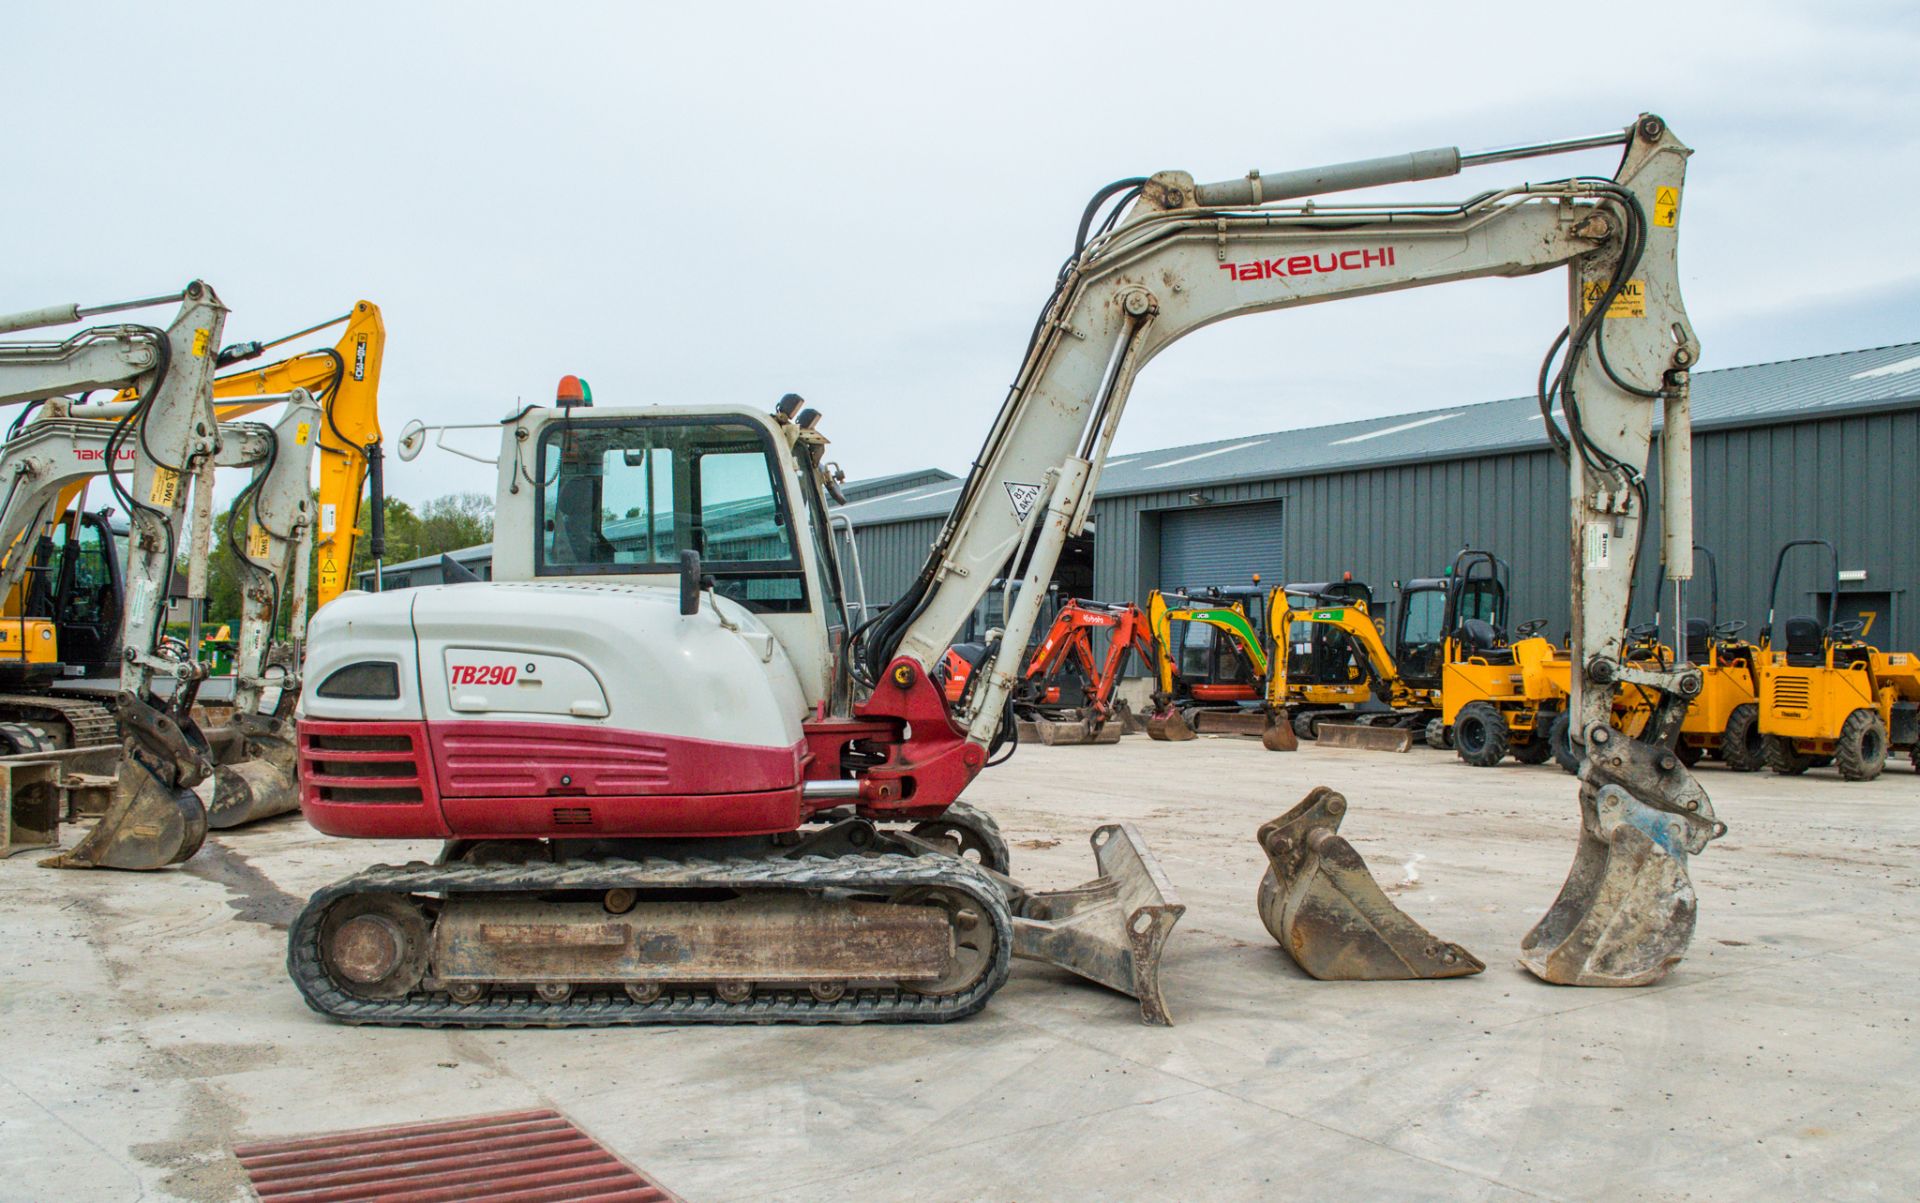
column 484, row 674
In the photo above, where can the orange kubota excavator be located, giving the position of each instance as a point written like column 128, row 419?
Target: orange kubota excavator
column 1099, row 716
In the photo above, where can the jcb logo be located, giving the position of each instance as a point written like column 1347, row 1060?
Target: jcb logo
column 484, row 674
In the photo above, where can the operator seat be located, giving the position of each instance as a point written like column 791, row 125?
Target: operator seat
column 1806, row 642
column 1698, row 635
column 1482, row 641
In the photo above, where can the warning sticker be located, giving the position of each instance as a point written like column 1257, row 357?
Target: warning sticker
column 1023, row 497
column 1666, row 206
column 301, row 433
column 329, row 571
column 202, row 339
column 258, row 545
column 1596, row 545
column 166, row 487
column 1632, row 301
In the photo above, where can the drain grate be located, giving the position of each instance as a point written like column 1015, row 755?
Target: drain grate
column 518, row 1155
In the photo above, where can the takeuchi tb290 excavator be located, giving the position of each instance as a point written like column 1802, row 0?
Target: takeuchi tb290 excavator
column 675, row 787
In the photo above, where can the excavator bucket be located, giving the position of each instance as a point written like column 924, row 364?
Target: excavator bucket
column 1625, row 915
column 1110, row 930
column 154, row 819
column 1365, row 736
column 1279, row 735
column 1169, row 725
column 1326, row 910
column 259, row 786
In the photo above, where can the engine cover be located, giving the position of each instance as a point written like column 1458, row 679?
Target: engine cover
column 530, row 709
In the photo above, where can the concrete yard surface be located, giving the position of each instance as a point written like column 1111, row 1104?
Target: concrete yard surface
column 149, row 1024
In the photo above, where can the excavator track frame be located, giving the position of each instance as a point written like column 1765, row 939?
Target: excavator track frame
column 604, row 1005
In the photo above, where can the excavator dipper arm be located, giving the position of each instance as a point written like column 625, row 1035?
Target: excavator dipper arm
column 1185, row 256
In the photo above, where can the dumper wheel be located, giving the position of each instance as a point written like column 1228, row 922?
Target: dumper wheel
column 1480, row 735
column 1689, row 754
column 1782, row 758
column 1741, row 744
column 1437, row 737
column 1861, row 751
column 1535, row 751
column 1560, row 739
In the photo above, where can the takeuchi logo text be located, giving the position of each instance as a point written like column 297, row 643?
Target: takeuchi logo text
column 1310, row 265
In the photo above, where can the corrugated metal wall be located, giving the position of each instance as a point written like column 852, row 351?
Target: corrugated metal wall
column 1853, row 480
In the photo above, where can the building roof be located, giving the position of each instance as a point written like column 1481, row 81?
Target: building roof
column 1787, row 391
column 879, row 486
column 465, row 555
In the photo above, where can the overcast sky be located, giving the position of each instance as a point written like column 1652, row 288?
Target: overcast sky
column 723, row 203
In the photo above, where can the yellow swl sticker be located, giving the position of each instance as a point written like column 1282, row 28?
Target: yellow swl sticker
column 1666, row 206
column 258, row 545
column 202, row 339
column 301, row 433
column 1632, row 301
column 166, row 487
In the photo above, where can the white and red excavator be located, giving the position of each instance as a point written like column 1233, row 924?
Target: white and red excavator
column 676, row 786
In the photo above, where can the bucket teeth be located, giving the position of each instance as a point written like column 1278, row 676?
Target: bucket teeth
column 1626, row 913
column 1110, row 930
column 1325, row 909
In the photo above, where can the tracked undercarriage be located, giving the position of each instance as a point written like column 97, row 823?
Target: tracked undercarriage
column 34, row 722
column 851, row 924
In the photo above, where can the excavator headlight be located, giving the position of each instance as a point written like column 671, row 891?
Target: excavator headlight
column 369, row 680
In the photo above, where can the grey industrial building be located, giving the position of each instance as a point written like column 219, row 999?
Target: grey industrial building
column 1820, row 447
column 1825, row 447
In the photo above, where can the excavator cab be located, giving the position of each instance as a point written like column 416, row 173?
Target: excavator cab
column 77, row 581
column 1322, row 657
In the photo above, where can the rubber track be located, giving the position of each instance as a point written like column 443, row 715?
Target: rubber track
column 86, row 722
column 607, row 1006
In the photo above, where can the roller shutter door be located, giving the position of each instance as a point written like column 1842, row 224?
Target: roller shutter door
column 1221, row 545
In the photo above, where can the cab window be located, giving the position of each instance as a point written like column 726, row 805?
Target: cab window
column 628, row 496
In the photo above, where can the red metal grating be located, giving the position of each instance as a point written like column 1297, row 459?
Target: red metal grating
column 514, row 1157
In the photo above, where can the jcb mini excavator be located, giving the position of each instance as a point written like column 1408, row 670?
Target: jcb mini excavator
column 1325, row 671
column 1313, row 621
column 1826, row 695
column 1096, row 716
column 675, row 788
column 1212, row 659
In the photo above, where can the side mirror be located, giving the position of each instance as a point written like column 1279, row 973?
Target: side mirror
column 689, row 582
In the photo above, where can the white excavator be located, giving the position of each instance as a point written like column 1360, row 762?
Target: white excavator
column 675, row 787
column 169, row 438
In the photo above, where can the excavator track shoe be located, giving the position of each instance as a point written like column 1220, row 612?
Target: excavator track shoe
column 1366, row 737
column 967, row 832
column 154, row 818
column 1325, row 909
column 1110, row 930
column 804, row 939
column 1626, row 913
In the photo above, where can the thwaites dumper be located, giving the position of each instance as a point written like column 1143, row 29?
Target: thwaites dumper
column 674, row 786
column 1826, row 695
column 1723, row 722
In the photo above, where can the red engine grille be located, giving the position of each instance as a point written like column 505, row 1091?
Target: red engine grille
column 385, row 767
column 518, row 1155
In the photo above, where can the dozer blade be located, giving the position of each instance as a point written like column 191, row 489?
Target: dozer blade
column 1230, row 722
column 1170, row 726
column 1626, row 913
column 1325, row 909
column 1279, row 735
column 155, row 819
column 1067, row 732
column 1110, row 930
column 1366, row 736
